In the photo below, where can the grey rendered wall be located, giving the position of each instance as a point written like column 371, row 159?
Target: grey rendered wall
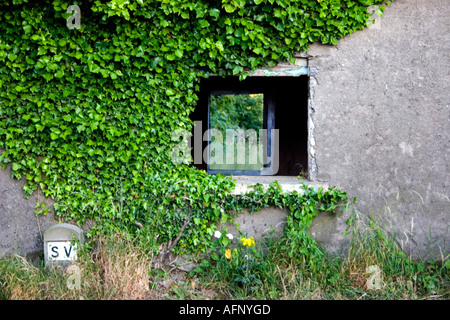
column 21, row 232
column 381, row 124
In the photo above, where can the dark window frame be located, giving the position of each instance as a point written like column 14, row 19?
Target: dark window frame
column 290, row 102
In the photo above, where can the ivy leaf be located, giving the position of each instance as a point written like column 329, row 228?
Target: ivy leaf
column 27, row 29
column 203, row 23
column 155, row 62
column 53, row 136
column 93, row 67
column 237, row 70
column 219, row 45
column 48, row 77
column 214, row 13
column 58, row 57
column 12, row 56
column 229, row 8
column 179, row 53
column 59, row 73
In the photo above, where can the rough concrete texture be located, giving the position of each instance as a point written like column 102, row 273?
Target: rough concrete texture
column 265, row 223
column 21, row 232
column 380, row 107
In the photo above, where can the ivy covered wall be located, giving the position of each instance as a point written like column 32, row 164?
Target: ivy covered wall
column 87, row 114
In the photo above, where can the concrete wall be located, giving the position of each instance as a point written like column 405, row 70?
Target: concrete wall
column 380, row 109
column 21, row 232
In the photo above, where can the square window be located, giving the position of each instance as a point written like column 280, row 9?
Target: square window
column 257, row 126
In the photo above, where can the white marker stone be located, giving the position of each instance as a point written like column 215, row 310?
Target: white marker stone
column 59, row 243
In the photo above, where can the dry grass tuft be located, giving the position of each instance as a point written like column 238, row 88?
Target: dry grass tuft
column 123, row 269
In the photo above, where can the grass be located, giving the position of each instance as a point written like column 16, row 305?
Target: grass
column 119, row 268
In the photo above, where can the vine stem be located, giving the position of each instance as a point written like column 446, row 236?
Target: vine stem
column 185, row 223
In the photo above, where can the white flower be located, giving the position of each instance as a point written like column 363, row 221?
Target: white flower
column 221, row 210
column 230, row 236
column 217, row 234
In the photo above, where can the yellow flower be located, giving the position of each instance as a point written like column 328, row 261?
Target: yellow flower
column 248, row 242
column 228, row 254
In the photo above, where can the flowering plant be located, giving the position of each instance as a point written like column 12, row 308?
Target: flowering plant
column 222, row 241
column 248, row 242
column 240, row 264
column 246, row 265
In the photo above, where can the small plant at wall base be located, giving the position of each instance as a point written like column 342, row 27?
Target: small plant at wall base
column 86, row 114
column 239, row 262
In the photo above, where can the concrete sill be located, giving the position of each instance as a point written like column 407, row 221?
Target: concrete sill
column 287, row 183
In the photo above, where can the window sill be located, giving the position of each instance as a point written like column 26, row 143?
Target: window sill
column 287, row 183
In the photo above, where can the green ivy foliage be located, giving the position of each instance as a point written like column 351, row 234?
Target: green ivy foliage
column 87, row 114
column 241, row 111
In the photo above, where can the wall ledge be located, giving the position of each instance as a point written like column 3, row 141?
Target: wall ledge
column 287, row 183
